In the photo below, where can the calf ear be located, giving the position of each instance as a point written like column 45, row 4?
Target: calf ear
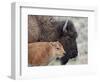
column 52, row 43
column 58, row 43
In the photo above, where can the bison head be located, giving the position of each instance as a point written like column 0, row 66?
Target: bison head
column 68, row 39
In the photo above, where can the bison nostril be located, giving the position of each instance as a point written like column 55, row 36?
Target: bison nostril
column 74, row 54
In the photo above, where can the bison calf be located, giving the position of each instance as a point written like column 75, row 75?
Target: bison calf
column 42, row 53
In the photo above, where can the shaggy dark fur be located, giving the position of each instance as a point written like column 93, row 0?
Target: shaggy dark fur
column 68, row 39
column 46, row 28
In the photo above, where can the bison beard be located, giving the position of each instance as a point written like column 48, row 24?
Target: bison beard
column 50, row 29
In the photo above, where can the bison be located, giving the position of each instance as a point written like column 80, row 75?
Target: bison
column 49, row 28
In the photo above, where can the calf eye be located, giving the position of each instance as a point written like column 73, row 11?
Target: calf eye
column 57, row 48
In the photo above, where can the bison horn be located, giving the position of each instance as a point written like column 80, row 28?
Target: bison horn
column 65, row 25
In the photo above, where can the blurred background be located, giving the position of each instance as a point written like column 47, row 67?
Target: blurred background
column 81, row 25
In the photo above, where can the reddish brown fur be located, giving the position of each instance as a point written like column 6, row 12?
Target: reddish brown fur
column 42, row 53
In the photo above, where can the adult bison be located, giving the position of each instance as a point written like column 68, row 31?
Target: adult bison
column 49, row 28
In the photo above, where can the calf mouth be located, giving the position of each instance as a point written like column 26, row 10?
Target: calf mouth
column 59, row 57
